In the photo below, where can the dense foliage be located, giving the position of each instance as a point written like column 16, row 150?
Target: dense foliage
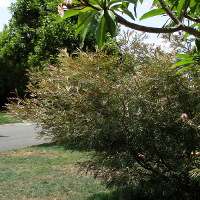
column 139, row 117
column 34, row 34
column 102, row 16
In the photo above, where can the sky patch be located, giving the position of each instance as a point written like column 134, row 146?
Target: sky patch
column 5, row 3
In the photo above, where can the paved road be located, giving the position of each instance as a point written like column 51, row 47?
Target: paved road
column 18, row 136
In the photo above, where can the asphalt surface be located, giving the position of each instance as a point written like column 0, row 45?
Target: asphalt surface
column 17, row 136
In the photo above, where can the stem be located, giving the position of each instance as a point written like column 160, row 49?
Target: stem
column 197, row 20
column 170, row 13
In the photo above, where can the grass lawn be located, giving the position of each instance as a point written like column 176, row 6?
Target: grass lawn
column 48, row 172
column 4, row 119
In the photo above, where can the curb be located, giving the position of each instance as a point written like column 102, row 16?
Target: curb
column 17, row 124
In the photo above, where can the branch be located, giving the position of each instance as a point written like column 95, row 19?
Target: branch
column 191, row 31
column 170, row 13
column 87, row 4
column 138, row 27
column 197, row 20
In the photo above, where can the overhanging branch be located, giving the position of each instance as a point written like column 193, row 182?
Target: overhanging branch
column 138, row 27
column 147, row 29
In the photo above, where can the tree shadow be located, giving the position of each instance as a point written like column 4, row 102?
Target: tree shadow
column 120, row 195
column 48, row 144
column 115, row 195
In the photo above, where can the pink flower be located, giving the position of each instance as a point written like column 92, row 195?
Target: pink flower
column 63, row 7
column 68, row 2
column 134, row 78
column 184, row 116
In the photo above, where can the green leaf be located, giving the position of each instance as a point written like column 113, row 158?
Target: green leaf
column 70, row 13
column 155, row 2
column 120, row 1
column 183, row 55
column 125, row 5
column 123, row 10
column 180, row 7
column 129, row 13
column 82, row 21
column 95, row 21
column 183, row 69
column 84, row 24
column 110, row 20
column 182, row 62
column 192, row 3
column 197, row 43
column 153, row 13
column 101, row 31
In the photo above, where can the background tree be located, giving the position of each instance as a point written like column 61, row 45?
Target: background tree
column 34, row 35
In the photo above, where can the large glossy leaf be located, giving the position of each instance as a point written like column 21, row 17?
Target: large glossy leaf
column 84, row 19
column 153, row 13
column 73, row 12
column 101, row 32
column 110, row 21
column 119, row 8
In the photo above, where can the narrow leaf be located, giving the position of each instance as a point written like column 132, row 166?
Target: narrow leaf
column 153, row 13
column 183, row 55
column 183, row 69
column 101, row 32
column 81, row 22
column 70, row 13
column 180, row 7
column 110, row 20
column 182, row 62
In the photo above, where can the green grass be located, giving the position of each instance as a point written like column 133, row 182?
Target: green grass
column 4, row 119
column 48, row 173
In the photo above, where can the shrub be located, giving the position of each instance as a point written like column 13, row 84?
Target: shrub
column 140, row 120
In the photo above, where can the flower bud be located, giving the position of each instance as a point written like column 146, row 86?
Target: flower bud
column 184, row 116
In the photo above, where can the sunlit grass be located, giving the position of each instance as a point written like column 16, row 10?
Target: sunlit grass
column 5, row 119
column 48, row 172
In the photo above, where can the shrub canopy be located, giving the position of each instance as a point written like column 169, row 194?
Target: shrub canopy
column 140, row 118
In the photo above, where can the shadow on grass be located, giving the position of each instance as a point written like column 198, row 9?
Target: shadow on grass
column 115, row 195
column 47, row 144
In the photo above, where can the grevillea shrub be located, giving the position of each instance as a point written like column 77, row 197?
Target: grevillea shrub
column 141, row 121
